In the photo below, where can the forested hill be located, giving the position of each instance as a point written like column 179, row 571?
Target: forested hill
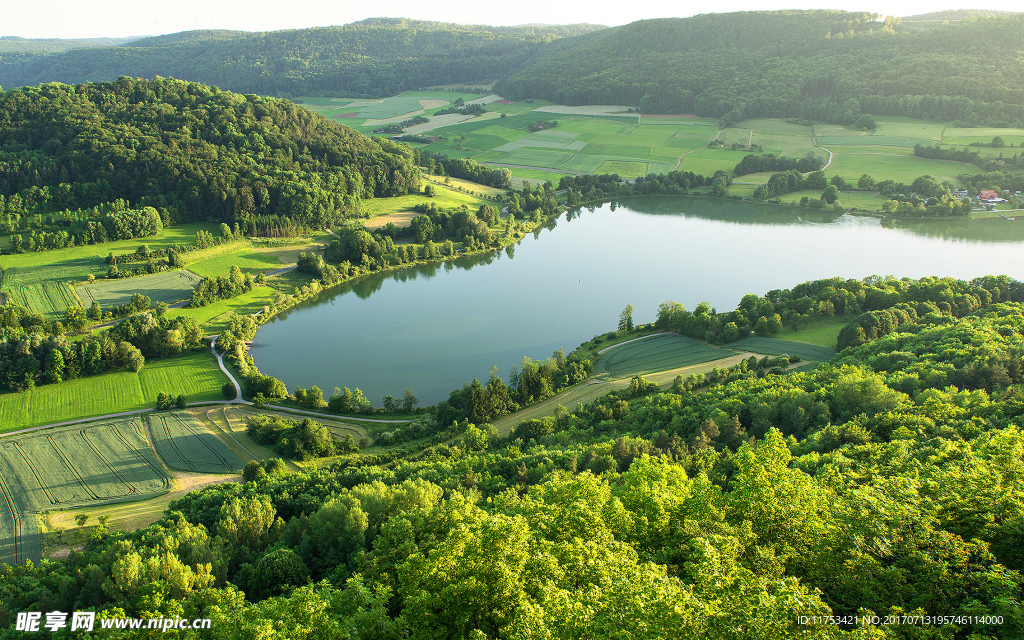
column 378, row 57
column 819, row 65
column 190, row 150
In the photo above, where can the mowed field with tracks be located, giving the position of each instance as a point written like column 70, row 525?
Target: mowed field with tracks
column 99, row 463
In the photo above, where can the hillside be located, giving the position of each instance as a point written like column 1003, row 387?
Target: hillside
column 191, row 150
column 818, row 65
column 377, row 57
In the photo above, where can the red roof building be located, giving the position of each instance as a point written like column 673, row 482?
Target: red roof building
column 987, row 194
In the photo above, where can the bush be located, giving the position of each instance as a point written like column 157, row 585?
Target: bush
column 164, row 401
column 228, row 390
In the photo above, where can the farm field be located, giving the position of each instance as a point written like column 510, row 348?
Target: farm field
column 890, row 164
column 39, row 280
column 778, row 347
column 194, row 374
column 169, row 286
column 186, row 445
column 80, row 465
column 956, row 136
column 657, row 353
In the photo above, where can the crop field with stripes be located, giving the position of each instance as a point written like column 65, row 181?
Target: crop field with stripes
column 658, row 353
column 185, row 444
column 75, row 466
column 779, row 347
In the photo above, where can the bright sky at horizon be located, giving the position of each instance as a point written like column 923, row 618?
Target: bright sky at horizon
column 121, row 18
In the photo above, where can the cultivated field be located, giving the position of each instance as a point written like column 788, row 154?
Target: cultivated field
column 195, row 374
column 778, row 347
column 41, row 281
column 184, row 444
column 99, row 463
column 657, row 353
column 169, row 286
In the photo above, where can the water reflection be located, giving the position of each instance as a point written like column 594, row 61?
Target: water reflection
column 433, row 327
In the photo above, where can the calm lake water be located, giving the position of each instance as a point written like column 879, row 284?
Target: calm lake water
column 433, row 328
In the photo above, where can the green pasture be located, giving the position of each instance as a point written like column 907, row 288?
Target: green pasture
column 184, row 444
column 965, row 136
column 444, row 197
column 708, row 161
column 823, row 334
column 851, row 163
column 169, row 286
column 624, row 168
column 194, row 374
column 658, row 353
column 247, row 260
column 73, row 466
column 778, row 347
column 864, row 200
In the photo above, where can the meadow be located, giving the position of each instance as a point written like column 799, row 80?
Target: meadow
column 79, row 465
column 169, row 286
column 186, row 445
column 194, row 374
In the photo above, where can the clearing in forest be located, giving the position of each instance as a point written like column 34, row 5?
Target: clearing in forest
column 779, row 347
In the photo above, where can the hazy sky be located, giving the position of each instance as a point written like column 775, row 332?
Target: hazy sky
column 98, row 18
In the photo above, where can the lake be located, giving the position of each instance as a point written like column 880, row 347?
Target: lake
column 433, row 328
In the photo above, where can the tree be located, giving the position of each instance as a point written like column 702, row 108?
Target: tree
column 409, row 401
column 866, row 183
column 865, row 122
column 181, row 401
column 626, row 319
column 830, row 194
column 815, row 180
column 429, row 191
column 54, row 366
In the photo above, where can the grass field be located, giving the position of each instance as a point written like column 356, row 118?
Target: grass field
column 41, row 280
column 100, row 463
column 194, row 374
column 778, row 347
column 169, row 286
column 657, row 353
column 825, row 334
column 444, row 197
column 186, row 445
column 897, row 164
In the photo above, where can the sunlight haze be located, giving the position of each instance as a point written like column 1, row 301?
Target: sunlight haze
column 120, row 18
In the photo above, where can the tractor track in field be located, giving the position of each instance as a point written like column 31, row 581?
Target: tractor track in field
column 18, row 528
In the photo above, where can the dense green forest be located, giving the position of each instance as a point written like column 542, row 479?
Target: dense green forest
column 377, row 57
column 885, row 482
column 820, row 65
column 191, row 151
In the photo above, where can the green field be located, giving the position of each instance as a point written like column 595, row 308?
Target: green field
column 169, row 286
column 194, row 374
column 895, row 163
column 40, row 281
column 825, row 334
column 778, row 347
column 48, row 298
column 657, row 353
column 80, row 465
column 186, row 445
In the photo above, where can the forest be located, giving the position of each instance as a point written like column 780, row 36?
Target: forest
column 886, row 482
column 377, row 57
column 830, row 66
column 190, row 151
column 826, row 66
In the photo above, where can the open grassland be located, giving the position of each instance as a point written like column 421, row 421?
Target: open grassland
column 891, row 164
column 824, row 334
column 247, row 259
column 955, row 136
column 445, row 197
column 185, row 444
column 862, row 200
column 657, row 353
column 195, row 375
column 81, row 465
column 169, row 286
column 778, row 347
